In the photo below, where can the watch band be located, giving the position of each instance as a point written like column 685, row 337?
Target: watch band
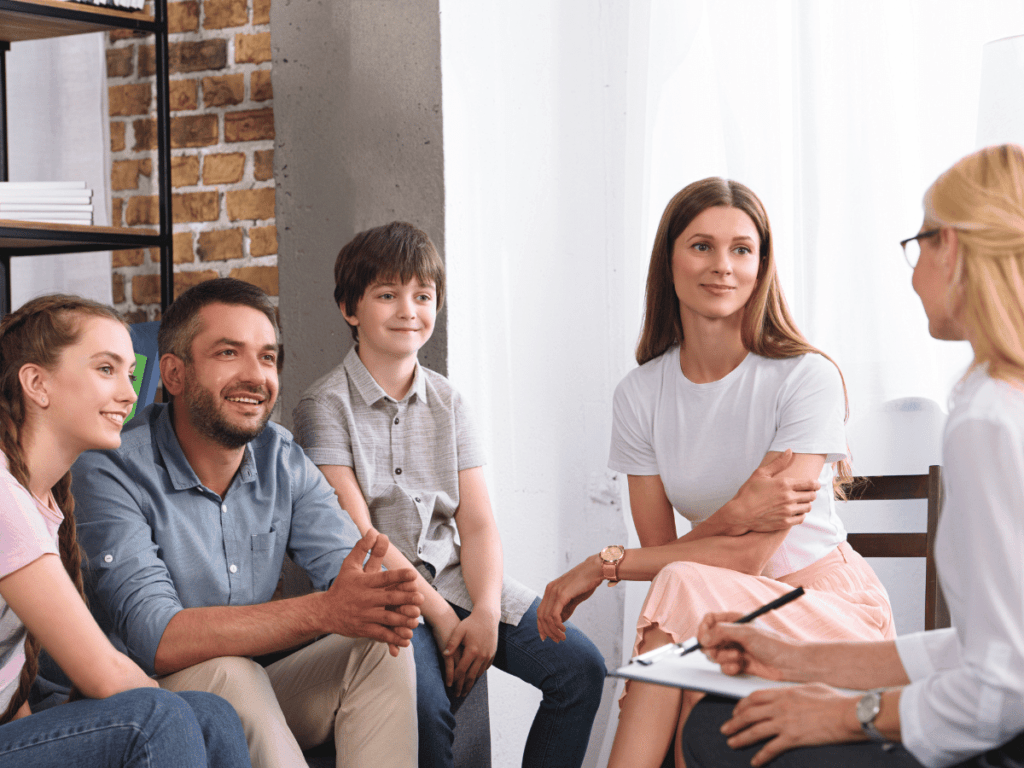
column 611, row 556
column 867, row 710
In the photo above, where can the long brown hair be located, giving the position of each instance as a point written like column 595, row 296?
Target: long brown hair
column 38, row 333
column 768, row 328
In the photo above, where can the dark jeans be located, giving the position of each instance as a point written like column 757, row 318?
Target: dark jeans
column 143, row 728
column 704, row 747
column 570, row 674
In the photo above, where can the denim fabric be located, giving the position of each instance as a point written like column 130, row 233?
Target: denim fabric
column 570, row 674
column 143, row 728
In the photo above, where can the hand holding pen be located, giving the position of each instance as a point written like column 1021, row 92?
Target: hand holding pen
column 688, row 646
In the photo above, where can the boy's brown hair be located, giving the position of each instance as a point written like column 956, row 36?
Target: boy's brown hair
column 393, row 252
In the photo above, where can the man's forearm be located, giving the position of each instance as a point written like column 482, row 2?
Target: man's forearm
column 195, row 635
column 851, row 664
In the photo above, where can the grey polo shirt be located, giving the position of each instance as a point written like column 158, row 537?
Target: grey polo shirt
column 407, row 456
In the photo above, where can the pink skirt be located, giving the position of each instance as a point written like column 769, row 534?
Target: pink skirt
column 844, row 599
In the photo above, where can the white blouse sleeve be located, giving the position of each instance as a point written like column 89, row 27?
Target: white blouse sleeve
column 966, row 708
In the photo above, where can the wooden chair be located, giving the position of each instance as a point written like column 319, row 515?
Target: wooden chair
column 898, row 487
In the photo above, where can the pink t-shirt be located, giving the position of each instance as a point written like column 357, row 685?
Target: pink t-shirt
column 28, row 530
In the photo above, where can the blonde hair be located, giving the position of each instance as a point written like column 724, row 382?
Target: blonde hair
column 768, row 328
column 982, row 198
column 38, row 333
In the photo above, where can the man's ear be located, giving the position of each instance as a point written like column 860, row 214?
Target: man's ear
column 172, row 374
column 35, row 383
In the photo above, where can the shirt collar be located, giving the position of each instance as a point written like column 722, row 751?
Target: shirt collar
column 368, row 387
column 179, row 471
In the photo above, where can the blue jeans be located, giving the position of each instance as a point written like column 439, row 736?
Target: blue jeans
column 570, row 674
column 142, row 728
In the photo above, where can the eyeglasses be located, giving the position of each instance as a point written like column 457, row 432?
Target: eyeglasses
column 912, row 246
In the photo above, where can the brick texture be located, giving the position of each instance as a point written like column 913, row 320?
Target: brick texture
column 195, row 206
column 251, row 125
column 225, row 13
column 264, row 277
column 223, row 90
column 252, row 204
column 184, row 170
column 220, row 245
column 184, row 95
column 252, row 49
column 224, row 168
column 129, row 99
column 260, row 88
column 182, row 17
column 222, row 150
column 263, row 164
column 120, row 62
column 262, row 241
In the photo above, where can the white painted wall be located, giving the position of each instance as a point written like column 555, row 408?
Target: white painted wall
column 541, row 319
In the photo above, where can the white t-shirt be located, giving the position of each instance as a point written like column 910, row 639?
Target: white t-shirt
column 705, row 440
column 967, row 689
column 28, row 530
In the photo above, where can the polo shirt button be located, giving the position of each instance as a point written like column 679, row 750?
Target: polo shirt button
column 108, row 558
column 233, row 568
column 417, row 499
column 419, row 551
column 396, row 419
column 224, row 508
column 398, row 470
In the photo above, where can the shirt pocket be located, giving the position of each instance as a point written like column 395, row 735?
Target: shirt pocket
column 263, row 546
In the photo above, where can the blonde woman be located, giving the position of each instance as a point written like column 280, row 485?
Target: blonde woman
column 735, row 421
column 951, row 696
column 65, row 386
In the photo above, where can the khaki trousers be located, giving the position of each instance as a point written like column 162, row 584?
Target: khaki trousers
column 351, row 688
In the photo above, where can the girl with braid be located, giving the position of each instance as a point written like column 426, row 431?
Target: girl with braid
column 66, row 368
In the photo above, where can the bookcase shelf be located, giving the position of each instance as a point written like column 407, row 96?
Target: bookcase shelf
column 41, row 19
column 22, row 20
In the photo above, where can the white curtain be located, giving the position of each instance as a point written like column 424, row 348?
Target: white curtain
column 838, row 115
column 58, row 131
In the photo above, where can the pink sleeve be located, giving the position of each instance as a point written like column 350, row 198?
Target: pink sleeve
column 24, row 533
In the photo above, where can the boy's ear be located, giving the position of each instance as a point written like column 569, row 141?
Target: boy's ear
column 350, row 319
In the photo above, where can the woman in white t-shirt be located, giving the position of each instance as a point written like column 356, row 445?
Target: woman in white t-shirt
column 736, row 422
column 66, row 386
column 950, row 696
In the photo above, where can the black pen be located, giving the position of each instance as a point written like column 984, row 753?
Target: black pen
column 777, row 603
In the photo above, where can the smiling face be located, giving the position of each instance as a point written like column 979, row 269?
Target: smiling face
column 229, row 388
column 89, row 393
column 714, row 264
column 394, row 319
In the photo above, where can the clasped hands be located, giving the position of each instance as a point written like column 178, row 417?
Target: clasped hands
column 366, row 601
column 802, row 716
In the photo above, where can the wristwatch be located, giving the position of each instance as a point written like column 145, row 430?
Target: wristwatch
column 611, row 556
column 868, row 708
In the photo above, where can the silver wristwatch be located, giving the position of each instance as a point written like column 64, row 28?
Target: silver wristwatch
column 867, row 710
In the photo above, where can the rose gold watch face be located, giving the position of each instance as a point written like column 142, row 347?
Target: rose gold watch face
column 612, row 553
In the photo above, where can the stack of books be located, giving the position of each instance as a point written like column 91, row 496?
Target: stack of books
column 50, row 202
column 127, row 5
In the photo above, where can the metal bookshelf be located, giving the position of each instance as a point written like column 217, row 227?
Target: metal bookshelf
column 39, row 19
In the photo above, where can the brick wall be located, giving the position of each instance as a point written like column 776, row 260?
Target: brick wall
column 222, row 150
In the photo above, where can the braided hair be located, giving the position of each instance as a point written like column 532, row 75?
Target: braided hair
column 38, row 333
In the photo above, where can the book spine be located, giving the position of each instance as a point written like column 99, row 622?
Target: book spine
column 42, row 185
column 86, row 208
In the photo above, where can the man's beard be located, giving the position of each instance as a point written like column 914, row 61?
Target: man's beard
column 208, row 420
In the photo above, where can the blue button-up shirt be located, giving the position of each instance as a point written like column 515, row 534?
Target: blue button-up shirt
column 156, row 540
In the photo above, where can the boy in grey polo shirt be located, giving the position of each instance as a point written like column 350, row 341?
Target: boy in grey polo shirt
column 395, row 441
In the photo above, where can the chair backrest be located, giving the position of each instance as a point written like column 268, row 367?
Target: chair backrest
column 147, row 370
column 895, row 487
